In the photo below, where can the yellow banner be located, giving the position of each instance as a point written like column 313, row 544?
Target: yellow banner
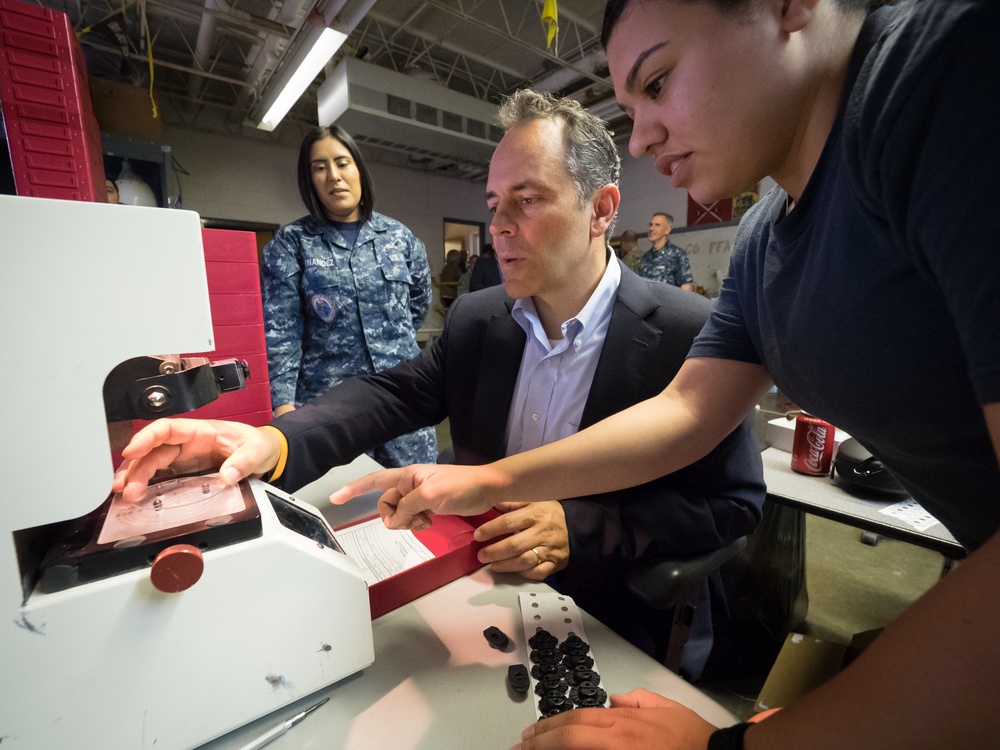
column 550, row 17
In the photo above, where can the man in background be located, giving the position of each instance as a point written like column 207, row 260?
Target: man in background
column 665, row 261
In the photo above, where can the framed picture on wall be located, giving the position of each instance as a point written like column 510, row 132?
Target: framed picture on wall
column 743, row 201
column 709, row 213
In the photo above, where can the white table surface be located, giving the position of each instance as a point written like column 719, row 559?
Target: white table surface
column 824, row 497
column 437, row 684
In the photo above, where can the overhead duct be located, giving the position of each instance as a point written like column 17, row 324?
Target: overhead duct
column 377, row 103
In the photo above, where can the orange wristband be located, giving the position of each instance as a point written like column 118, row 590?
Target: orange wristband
column 282, row 457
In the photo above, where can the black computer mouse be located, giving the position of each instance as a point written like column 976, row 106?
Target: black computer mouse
column 859, row 469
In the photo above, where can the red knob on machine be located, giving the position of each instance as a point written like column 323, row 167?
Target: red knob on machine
column 812, row 447
column 177, row 568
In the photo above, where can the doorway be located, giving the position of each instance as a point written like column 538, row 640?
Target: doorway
column 464, row 236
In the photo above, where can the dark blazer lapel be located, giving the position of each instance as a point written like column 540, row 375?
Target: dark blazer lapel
column 500, row 362
column 629, row 351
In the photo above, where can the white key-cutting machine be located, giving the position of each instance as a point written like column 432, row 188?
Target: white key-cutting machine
column 166, row 622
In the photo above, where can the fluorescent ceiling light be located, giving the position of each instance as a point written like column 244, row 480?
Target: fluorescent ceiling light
column 323, row 48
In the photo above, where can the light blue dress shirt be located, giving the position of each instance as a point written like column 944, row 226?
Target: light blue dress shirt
column 555, row 376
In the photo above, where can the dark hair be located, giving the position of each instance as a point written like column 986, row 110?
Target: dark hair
column 306, row 189
column 665, row 215
column 615, row 8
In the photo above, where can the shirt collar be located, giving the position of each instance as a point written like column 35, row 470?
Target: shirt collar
column 583, row 324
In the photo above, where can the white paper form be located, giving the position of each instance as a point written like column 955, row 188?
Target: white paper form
column 382, row 552
column 912, row 513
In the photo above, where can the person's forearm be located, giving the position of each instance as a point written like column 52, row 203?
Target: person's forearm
column 931, row 680
column 632, row 447
column 358, row 415
column 703, row 404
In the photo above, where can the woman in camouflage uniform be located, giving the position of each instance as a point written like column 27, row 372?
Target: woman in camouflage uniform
column 345, row 288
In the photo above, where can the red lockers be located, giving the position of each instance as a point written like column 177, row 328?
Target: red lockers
column 238, row 326
column 55, row 143
column 238, row 320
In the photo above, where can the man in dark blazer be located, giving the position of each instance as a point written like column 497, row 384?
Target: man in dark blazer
column 468, row 376
column 569, row 306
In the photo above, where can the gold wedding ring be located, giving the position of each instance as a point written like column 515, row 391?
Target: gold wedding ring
column 538, row 557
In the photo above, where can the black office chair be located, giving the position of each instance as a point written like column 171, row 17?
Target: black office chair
column 676, row 584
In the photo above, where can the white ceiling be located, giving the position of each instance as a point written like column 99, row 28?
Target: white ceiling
column 212, row 59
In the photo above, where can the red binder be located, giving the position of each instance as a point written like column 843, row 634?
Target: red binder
column 450, row 540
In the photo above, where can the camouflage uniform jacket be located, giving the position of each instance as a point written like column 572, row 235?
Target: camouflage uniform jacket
column 332, row 311
column 669, row 264
column 632, row 259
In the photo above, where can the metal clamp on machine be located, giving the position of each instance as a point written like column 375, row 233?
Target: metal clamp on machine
column 154, row 387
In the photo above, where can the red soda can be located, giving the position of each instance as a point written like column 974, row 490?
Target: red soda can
column 812, row 448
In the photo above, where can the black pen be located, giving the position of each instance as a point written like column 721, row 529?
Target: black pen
column 272, row 734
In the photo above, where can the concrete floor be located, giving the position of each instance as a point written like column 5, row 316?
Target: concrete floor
column 852, row 587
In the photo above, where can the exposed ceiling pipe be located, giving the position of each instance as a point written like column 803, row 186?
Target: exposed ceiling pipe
column 216, row 19
column 264, row 58
column 204, row 45
column 232, row 22
column 317, row 39
column 607, row 110
column 430, row 39
column 193, row 72
column 562, row 77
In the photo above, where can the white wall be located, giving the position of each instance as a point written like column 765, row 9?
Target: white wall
column 250, row 180
column 236, row 178
column 422, row 201
column 645, row 191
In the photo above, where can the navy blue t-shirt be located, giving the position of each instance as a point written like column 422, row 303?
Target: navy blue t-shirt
column 349, row 230
column 875, row 303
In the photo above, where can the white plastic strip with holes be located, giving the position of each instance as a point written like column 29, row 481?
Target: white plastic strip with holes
column 558, row 615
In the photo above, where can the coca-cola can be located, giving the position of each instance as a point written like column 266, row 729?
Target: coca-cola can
column 812, row 448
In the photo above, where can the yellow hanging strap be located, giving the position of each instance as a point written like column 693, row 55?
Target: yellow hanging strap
column 143, row 29
column 550, row 17
column 149, row 54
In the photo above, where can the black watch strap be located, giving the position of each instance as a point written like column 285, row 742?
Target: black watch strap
column 728, row 738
